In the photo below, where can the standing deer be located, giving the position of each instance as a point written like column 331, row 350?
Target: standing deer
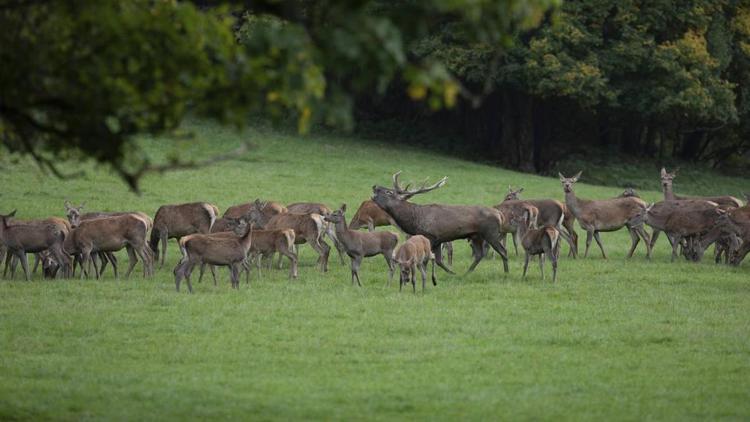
column 319, row 211
column 413, row 255
column 605, row 216
column 370, row 215
column 175, row 221
column 270, row 209
column 442, row 223
column 20, row 239
column 359, row 245
column 306, row 228
column 544, row 242
column 551, row 212
column 12, row 260
column 512, row 209
column 214, row 249
column 111, row 234
column 667, row 179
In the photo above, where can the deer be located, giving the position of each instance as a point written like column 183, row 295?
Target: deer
column 176, row 221
column 214, row 249
column 20, row 239
column 606, row 215
column 359, row 245
column 306, row 228
column 267, row 242
column 510, row 210
column 318, row 211
column 75, row 216
column 737, row 222
column 660, row 212
column 442, row 223
column 111, row 234
column 12, row 260
column 270, row 209
column 551, row 212
column 544, row 242
column 667, row 178
column 628, row 192
column 413, row 255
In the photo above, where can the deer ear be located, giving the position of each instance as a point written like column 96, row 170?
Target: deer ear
column 83, row 204
column 510, row 189
column 520, row 190
column 663, row 172
column 343, row 207
column 12, row 213
column 67, row 204
column 577, row 176
column 562, row 178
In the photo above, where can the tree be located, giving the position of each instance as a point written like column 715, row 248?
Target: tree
column 82, row 78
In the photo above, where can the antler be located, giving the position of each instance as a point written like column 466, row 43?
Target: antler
column 422, row 189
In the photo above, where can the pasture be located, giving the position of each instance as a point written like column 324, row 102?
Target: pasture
column 615, row 339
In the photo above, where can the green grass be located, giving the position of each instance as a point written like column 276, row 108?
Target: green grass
column 613, row 339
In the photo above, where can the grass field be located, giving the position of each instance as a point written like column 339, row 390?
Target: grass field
column 617, row 339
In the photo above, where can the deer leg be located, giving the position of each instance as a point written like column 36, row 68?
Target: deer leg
column 323, row 250
column 589, row 237
column 36, row 263
column 675, row 244
column 525, row 263
column 132, row 260
column 514, row 236
column 388, row 255
column 13, row 265
column 553, row 261
column 564, row 234
column 634, row 239
column 414, row 277
column 437, row 251
column 85, row 256
column 103, row 257
column 179, row 273
column 541, row 264
column 599, row 242
column 449, row 252
column 654, row 236
column 424, row 275
column 8, row 258
column 213, row 272
column 24, row 264
column 356, row 262
column 164, row 237
column 143, row 255
column 477, row 252
column 500, row 249
column 641, row 231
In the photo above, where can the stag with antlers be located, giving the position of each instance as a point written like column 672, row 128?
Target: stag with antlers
column 442, row 223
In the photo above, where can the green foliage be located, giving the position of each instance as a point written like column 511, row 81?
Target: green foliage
column 614, row 339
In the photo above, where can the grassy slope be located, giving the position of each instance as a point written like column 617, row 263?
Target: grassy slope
column 616, row 339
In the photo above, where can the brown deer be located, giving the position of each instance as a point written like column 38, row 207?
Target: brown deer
column 175, row 221
column 544, row 242
column 667, row 179
column 413, row 255
column 111, row 234
column 660, row 212
column 12, row 260
column 442, row 223
column 270, row 209
column 318, row 211
column 512, row 209
column 360, row 245
column 605, row 216
column 214, row 249
column 267, row 242
column 306, row 229
column 20, row 239
column 551, row 211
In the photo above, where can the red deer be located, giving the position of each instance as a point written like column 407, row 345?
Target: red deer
column 550, row 213
column 512, row 209
column 267, row 242
column 111, row 234
column 359, row 245
column 270, row 209
column 442, row 223
column 306, row 229
column 667, row 179
column 12, row 260
column 20, row 239
column 413, row 255
column 605, row 216
column 176, row 221
column 321, row 210
column 214, row 249
column 544, row 242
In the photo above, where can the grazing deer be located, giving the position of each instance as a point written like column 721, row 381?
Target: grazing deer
column 442, row 223
column 605, row 216
column 270, row 209
column 20, row 239
column 214, row 249
column 551, row 211
column 659, row 214
column 737, row 221
column 111, row 234
column 667, row 178
column 176, row 221
column 544, row 242
column 306, row 228
column 413, row 255
column 359, row 245
column 512, row 209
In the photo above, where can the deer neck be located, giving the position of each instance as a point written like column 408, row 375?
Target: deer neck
column 405, row 214
column 342, row 230
column 668, row 193
column 572, row 201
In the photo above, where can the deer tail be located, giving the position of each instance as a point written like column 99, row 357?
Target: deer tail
column 211, row 211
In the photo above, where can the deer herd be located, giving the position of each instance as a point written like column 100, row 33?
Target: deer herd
column 257, row 230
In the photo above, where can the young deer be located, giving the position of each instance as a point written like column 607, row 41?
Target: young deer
column 511, row 210
column 176, row 221
column 605, row 216
column 413, row 255
column 359, row 245
column 542, row 242
column 306, row 229
column 214, row 249
column 267, row 242
column 318, row 211
column 20, row 239
column 551, row 212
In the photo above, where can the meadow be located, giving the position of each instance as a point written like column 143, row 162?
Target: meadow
column 613, row 339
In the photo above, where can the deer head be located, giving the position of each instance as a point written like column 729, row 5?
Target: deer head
column 629, row 192
column 512, row 195
column 386, row 197
column 667, row 177
column 336, row 216
column 256, row 216
column 568, row 182
column 73, row 213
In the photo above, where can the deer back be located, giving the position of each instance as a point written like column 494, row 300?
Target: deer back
column 183, row 219
column 308, row 208
column 110, row 234
column 367, row 212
